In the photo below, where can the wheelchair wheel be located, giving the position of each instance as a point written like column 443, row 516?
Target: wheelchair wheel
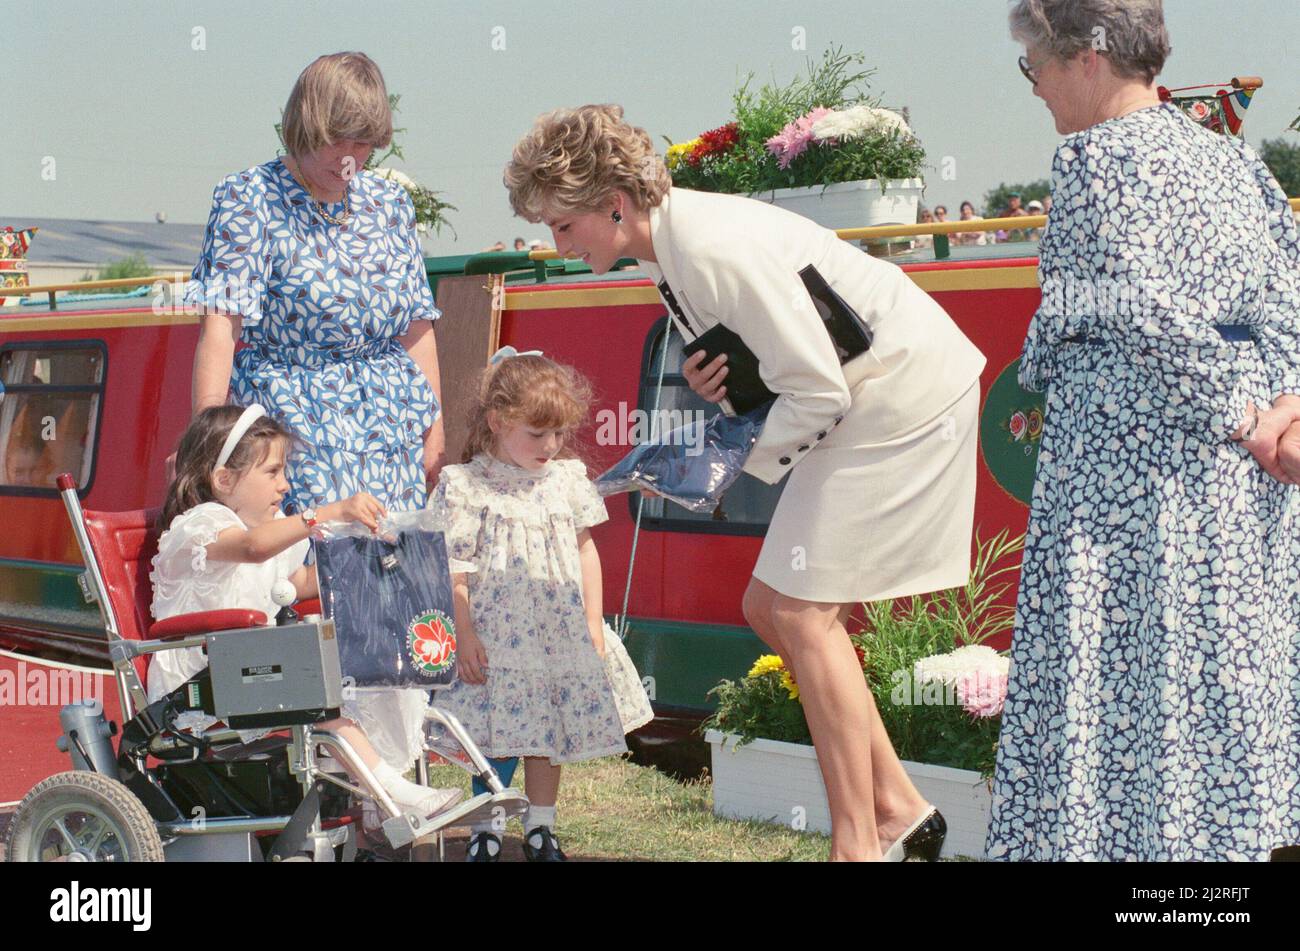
column 82, row 817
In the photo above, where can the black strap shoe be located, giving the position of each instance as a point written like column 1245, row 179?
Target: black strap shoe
column 478, row 849
column 550, row 846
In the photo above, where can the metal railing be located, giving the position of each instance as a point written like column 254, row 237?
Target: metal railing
column 940, row 231
column 116, row 283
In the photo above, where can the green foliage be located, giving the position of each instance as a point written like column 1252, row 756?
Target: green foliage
column 134, row 265
column 1283, row 160
column 758, row 707
column 996, row 200
column 837, row 82
column 925, row 724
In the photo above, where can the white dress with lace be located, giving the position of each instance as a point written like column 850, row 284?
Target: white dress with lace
column 548, row 693
column 185, row 581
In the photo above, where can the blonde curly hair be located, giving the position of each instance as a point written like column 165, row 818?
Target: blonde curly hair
column 573, row 160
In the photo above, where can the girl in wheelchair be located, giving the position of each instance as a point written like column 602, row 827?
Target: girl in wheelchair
column 226, row 544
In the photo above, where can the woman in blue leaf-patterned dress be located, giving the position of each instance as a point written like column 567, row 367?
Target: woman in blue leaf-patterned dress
column 1153, row 710
column 317, row 267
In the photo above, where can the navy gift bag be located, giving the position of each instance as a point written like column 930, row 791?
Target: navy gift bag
column 389, row 596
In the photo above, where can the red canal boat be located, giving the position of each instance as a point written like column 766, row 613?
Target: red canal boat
column 101, row 388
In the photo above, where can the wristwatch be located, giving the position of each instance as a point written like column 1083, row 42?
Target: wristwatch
column 309, row 516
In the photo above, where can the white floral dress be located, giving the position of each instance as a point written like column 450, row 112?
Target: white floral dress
column 548, row 693
column 185, row 581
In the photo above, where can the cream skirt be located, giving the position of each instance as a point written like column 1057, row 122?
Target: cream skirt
column 884, row 520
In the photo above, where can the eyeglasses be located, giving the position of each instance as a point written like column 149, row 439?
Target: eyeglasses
column 1029, row 70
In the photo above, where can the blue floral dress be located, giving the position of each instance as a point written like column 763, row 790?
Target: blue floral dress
column 548, row 693
column 323, row 307
column 1153, row 709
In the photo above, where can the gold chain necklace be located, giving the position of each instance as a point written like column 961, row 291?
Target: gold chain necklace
column 320, row 209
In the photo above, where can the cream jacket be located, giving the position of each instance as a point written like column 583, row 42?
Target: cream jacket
column 735, row 261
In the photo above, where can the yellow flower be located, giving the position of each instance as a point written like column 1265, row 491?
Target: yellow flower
column 673, row 157
column 788, row 683
column 768, row 663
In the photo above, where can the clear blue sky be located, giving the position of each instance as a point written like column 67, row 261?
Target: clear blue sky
column 138, row 121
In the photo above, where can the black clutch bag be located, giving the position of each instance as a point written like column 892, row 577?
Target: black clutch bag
column 746, row 390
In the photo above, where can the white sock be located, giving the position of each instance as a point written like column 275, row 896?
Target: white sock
column 539, row 816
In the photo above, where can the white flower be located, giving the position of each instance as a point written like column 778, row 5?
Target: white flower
column 857, row 121
column 393, row 175
column 951, row 667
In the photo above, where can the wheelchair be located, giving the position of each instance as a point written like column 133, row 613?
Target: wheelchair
column 165, row 794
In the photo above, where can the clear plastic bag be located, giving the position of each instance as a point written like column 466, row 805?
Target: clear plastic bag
column 692, row 465
column 389, row 595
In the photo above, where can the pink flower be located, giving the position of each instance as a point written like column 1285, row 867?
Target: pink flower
column 982, row 693
column 791, row 142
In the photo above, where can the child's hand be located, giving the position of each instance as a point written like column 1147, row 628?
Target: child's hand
column 471, row 658
column 598, row 638
column 364, row 508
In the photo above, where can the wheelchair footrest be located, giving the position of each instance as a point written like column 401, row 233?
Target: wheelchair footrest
column 486, row 807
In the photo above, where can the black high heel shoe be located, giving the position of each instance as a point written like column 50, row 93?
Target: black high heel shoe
column 923, row 840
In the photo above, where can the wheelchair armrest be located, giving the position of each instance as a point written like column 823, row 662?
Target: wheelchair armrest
column 204, row 622
column 307, row 606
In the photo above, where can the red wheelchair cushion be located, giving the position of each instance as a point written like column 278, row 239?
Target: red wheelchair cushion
column 205, row 622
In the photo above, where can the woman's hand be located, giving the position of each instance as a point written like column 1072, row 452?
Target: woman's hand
column 1288, row 452
column 362, row 507
column 471, row 658
column 1264, row 443
column 706, row 383
column 435, row 453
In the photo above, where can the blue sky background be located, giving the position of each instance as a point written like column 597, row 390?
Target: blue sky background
column 137, row 121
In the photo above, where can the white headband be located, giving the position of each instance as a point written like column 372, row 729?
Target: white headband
column 509, row 351
column 246, row 419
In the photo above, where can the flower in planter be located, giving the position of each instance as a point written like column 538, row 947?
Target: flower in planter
column 773, row 664
column 982, row 693
column 951, row 667
column 857, row 121
column 677, row 152
column 716, row 141
column 766, row 664
column 791, row 142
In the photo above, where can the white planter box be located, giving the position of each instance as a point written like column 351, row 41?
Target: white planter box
column 852, row 204
column 782, row 783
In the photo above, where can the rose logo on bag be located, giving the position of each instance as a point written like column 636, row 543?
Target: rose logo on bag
column 431, row 640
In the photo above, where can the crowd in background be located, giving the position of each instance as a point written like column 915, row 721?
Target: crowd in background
column 1014, row 209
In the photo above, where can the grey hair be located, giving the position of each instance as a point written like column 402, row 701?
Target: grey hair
column 1131, row 33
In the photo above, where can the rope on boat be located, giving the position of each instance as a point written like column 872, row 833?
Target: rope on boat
column 620, row 627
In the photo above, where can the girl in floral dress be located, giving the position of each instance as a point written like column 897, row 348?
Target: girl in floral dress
column 541, row 676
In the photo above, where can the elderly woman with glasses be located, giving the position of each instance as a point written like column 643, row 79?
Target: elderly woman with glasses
column 314, row 263
column 1153, row 710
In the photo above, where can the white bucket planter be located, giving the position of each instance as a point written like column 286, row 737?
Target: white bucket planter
column 852, row 204
column 782, row 783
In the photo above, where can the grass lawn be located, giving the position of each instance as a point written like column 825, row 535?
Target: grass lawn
column 613, row 810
